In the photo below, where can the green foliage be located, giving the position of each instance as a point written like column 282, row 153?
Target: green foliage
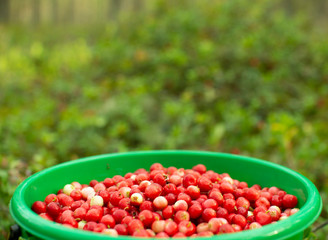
column 212, row 75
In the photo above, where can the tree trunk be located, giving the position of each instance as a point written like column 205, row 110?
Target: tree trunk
column 36, row 12
column 70, row 14
column 114, row 7
column 4, row 11
column 54, row 11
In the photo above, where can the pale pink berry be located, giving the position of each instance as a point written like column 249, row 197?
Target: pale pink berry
column 110, row 232
column 97, row 200
column 136, row 199
column 88, row 192
column 68, row 188
column 160, row 202
column 254, row 225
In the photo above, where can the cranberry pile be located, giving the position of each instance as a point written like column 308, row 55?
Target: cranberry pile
column 167, row 202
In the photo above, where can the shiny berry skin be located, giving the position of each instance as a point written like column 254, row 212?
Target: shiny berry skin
column 276, row 201
column 108, row 220
column 274, row 212
column 179, row 235
column 267, row 195
column 160, row 203
column 263, row 218
column 135, row 225
column 200, row 168
column 205, row 234
column 181, row 216
column 195, row 211
column 160, row 179
column 193, row 192
column 77, row 204
column 158, row 226
column 156, row 166
column 262, row 201
column 217, row 196
column 170, row 188
column 259, row 209
column 89, row 226
column 171, row 198
column 53, row 209
column 289, row 201
column 125, row 204
column 202, row 227
column 110, row 232
column 242, row 211
column 239, row 220
column 168, row 212
column 185, row 197
column 121, row 229
column 170, row 227
column 76, row 195
column 108, row 182
column 226, row 228
column 146, row 205
column 187, row 228
column 214, row 224
column 222, row 212
column 93, row 215
column 50, row 198
column 205, row 184
column 229, row 204
column 39, row 207
column 146, row 217
column 254, row 225
column 115, row 198
column 79, row 213
column 273, row 190
column 208, row 213
column 242, row 202
column 251, row 194
column 210, row 203
column 153, row 190
column 189, row 180
column 180, row 205
column 119, row 214
column 140, row 233
column 226, row 187
column 99, row 227
column 136, row 199
column 175, row 179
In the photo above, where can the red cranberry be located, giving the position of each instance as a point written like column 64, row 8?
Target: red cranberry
column 50, row 198
column 146, row 217
column 208, row 213
column 263, row 218
column 226, row 228
column 168, row 212
column 187, row 228
column 195, row 211
column 108, row 220
column 121, row 229
column 39, row 207
column 289, row 201
column 170, row 227
column 199, row 168
column 205, row 184
column 181, row 216
column 153, row 190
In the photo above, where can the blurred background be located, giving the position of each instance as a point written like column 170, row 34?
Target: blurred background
column 80, row 78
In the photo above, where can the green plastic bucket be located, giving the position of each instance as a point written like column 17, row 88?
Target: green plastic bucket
column 251, row 170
